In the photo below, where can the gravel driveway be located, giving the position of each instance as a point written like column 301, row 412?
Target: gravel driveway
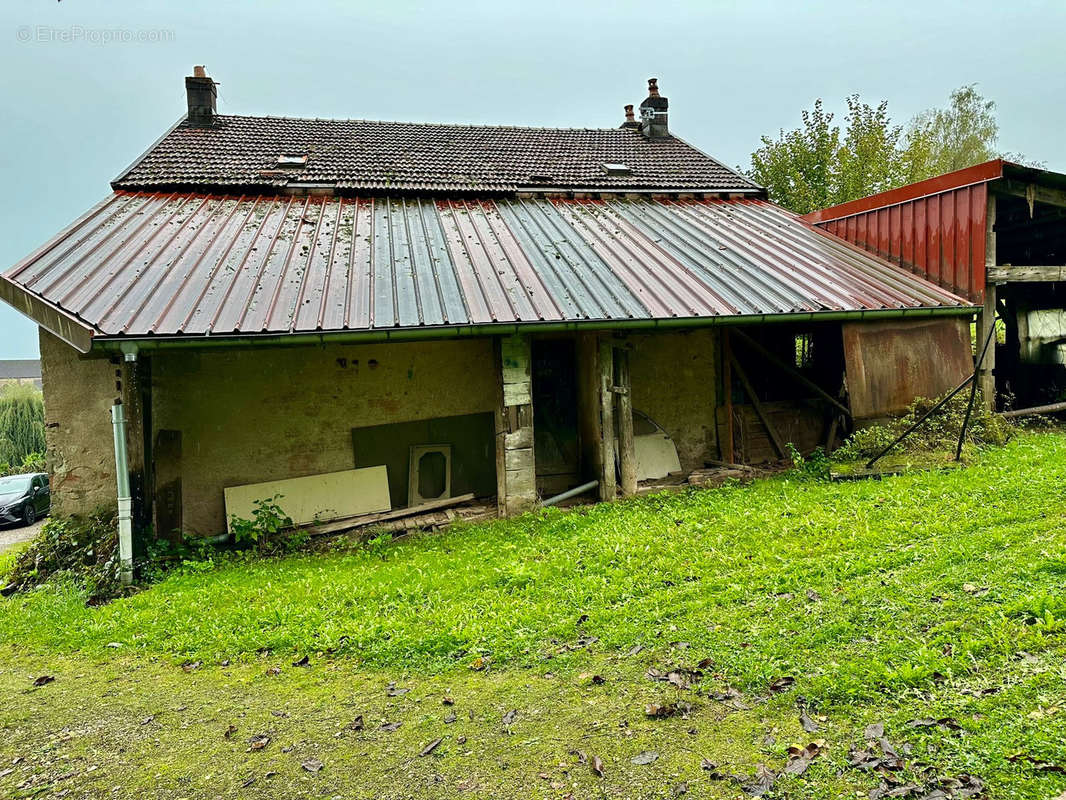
column 13, row 534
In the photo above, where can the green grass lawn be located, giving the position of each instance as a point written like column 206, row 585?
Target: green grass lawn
column 932, row 596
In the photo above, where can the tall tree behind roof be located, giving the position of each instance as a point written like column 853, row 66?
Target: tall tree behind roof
column 815, row 166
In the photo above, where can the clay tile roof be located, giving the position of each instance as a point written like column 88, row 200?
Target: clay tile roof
column 239, row 152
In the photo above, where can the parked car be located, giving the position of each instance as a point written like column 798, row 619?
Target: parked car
column 24, row 498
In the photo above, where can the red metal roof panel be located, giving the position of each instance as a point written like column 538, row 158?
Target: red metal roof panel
column 143, row 265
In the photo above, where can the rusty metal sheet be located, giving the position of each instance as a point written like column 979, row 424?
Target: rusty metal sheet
column 165, row 264
column 890, row 363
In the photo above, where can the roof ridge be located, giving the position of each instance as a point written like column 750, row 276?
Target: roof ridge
column 491, row 126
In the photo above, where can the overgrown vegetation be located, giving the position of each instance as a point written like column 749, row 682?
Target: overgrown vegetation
column 652, row 637
column 80, row 551
column 270, row 530
column 817, row 165
column 21, row 427
column 936, row 437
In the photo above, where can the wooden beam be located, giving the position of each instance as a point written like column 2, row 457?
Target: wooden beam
column 361, row 521
column 608, row 482
column 779, row 445
column 1030, row 191
column 986, row 319
column 1025, row 274
column 792, row 372
column 515, row 458
column 627, row 457
column 728, row 454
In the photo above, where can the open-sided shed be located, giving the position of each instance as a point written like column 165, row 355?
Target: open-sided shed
column 995, row 233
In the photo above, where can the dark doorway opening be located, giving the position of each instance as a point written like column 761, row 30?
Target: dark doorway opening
column 556, row 445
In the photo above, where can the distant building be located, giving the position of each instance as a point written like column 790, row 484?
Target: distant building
column 20, row 370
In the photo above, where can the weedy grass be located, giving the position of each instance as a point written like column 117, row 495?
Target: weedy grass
column 935, row 594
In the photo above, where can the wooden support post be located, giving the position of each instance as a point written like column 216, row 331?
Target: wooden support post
column 516, row 478
column 728, row 447
column 986, row 318
column 607, row 480
column 627, row 457
column 775, row 437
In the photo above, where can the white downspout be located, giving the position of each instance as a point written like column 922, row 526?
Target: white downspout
column 125, row 502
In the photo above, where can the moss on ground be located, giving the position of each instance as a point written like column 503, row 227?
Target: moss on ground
column 938, row 596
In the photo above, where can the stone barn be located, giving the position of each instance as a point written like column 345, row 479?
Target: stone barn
column 502, row 312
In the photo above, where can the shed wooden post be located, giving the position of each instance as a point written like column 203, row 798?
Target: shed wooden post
column 627, row 456
column 727, row 446
column 516, row 478
column 986, row 318
column 607, row 471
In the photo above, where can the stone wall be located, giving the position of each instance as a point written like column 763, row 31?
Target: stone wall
column 674, row 380
column 78, row 394
column 261, row 414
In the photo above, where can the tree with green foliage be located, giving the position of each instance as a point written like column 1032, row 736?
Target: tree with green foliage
column 21, row 423
column 817, row 165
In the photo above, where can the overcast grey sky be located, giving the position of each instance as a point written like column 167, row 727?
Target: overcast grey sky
column 77, row 112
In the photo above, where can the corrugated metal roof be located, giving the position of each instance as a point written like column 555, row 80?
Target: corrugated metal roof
column 156, row 264
column 241, row 152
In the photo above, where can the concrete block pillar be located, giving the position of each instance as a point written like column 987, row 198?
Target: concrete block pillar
column 516, row 476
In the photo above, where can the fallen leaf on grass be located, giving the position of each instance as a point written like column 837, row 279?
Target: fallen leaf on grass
column 429, row 748
column 582, row 756
column 447, row 700
column 479, row 663
column 657, row 711
column 782, row 684
column 450, row 718
column 389, row 727
column 510, row 716
column 43, row 679
column 799, row 758
column 248, row 782
column 759, row 784
column 258, row 742
column 806, row 722
column 232, row 729
column 1037, row 764
column 875, row 730
column 190, row 666
column 644, row 758
column 302, row 662
column 312, row 765
column 273, row 671
column 357, row 723
column 597, row 766
column 947, row 723
column 599, row 680
column 394, row 691
column 711, row 769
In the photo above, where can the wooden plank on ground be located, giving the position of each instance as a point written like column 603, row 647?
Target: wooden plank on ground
column 351, row 523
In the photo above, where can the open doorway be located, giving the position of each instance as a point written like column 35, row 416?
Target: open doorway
column 556, row 444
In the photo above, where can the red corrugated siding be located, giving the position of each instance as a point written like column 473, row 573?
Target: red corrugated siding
column 939, row 236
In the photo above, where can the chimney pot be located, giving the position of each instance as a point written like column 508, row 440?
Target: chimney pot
column 653, row 113
column 631, row 121
column 201, row 94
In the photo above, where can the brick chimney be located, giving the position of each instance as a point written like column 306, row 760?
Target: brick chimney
column 631, row 121
column 653, row 113
column 201, row 93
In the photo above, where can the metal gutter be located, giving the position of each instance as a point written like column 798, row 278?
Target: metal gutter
column 124, row 344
